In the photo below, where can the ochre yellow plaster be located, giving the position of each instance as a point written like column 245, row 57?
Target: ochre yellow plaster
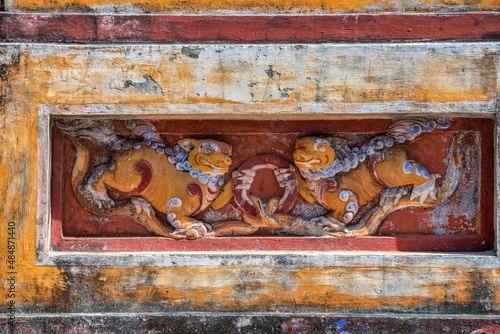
column 93, row 76
column 304, row 6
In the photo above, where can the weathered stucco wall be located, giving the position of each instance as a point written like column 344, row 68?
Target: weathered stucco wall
column 254, row 6
column 266, row 80
column 221, row 74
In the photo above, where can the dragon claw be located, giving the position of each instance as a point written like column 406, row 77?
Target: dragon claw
column 142, row 205
column 330, row 226
column 108, row 204
column 284, row 176
column 426, row 190
column 391, row 196
column 102, row 200
column 192, row 231
column 245, row 178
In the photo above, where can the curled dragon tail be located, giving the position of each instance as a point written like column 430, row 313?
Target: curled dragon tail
column 81, row 166
column 80, row 177
column 453, row 170
column 449, row 184
column 84, row 175
column 100, row 132
column 134, row 208
column 103, row 132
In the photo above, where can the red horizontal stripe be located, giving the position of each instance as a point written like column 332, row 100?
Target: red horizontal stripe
column 437, row 243
column 91, row 28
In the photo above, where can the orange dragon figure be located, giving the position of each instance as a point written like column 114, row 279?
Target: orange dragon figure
column 178, row 182
column 344, row 179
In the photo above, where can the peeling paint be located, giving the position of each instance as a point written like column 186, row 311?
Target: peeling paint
column 271, row 73
column 148, row 86
column 354, row 78
column 191, row 52
column 252, row 6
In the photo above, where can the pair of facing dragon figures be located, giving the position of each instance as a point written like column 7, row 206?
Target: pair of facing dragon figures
column 186, row 179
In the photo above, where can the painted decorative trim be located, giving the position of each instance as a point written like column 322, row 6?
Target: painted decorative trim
column 47, row 256
column 351, row 28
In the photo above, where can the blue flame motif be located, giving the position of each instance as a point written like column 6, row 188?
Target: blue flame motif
column 408, row 166
column 174, row 201
column 351, row 207
column 419, row 170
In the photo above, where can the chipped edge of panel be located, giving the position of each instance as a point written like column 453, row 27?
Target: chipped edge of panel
column 43, row 200
column 44, row 256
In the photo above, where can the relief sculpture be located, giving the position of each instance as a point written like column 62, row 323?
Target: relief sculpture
column 177, row 181
column 164, row 188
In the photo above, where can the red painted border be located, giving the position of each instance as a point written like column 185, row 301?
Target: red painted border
column 91, row 28
column 469, row 243
column 482, row 241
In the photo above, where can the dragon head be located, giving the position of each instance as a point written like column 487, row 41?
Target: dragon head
column 316, row 152
column 206, row 155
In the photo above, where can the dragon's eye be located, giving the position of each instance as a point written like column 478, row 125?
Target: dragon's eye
column 208, row 148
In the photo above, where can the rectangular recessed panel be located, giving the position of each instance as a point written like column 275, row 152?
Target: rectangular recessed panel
column 310, row 182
